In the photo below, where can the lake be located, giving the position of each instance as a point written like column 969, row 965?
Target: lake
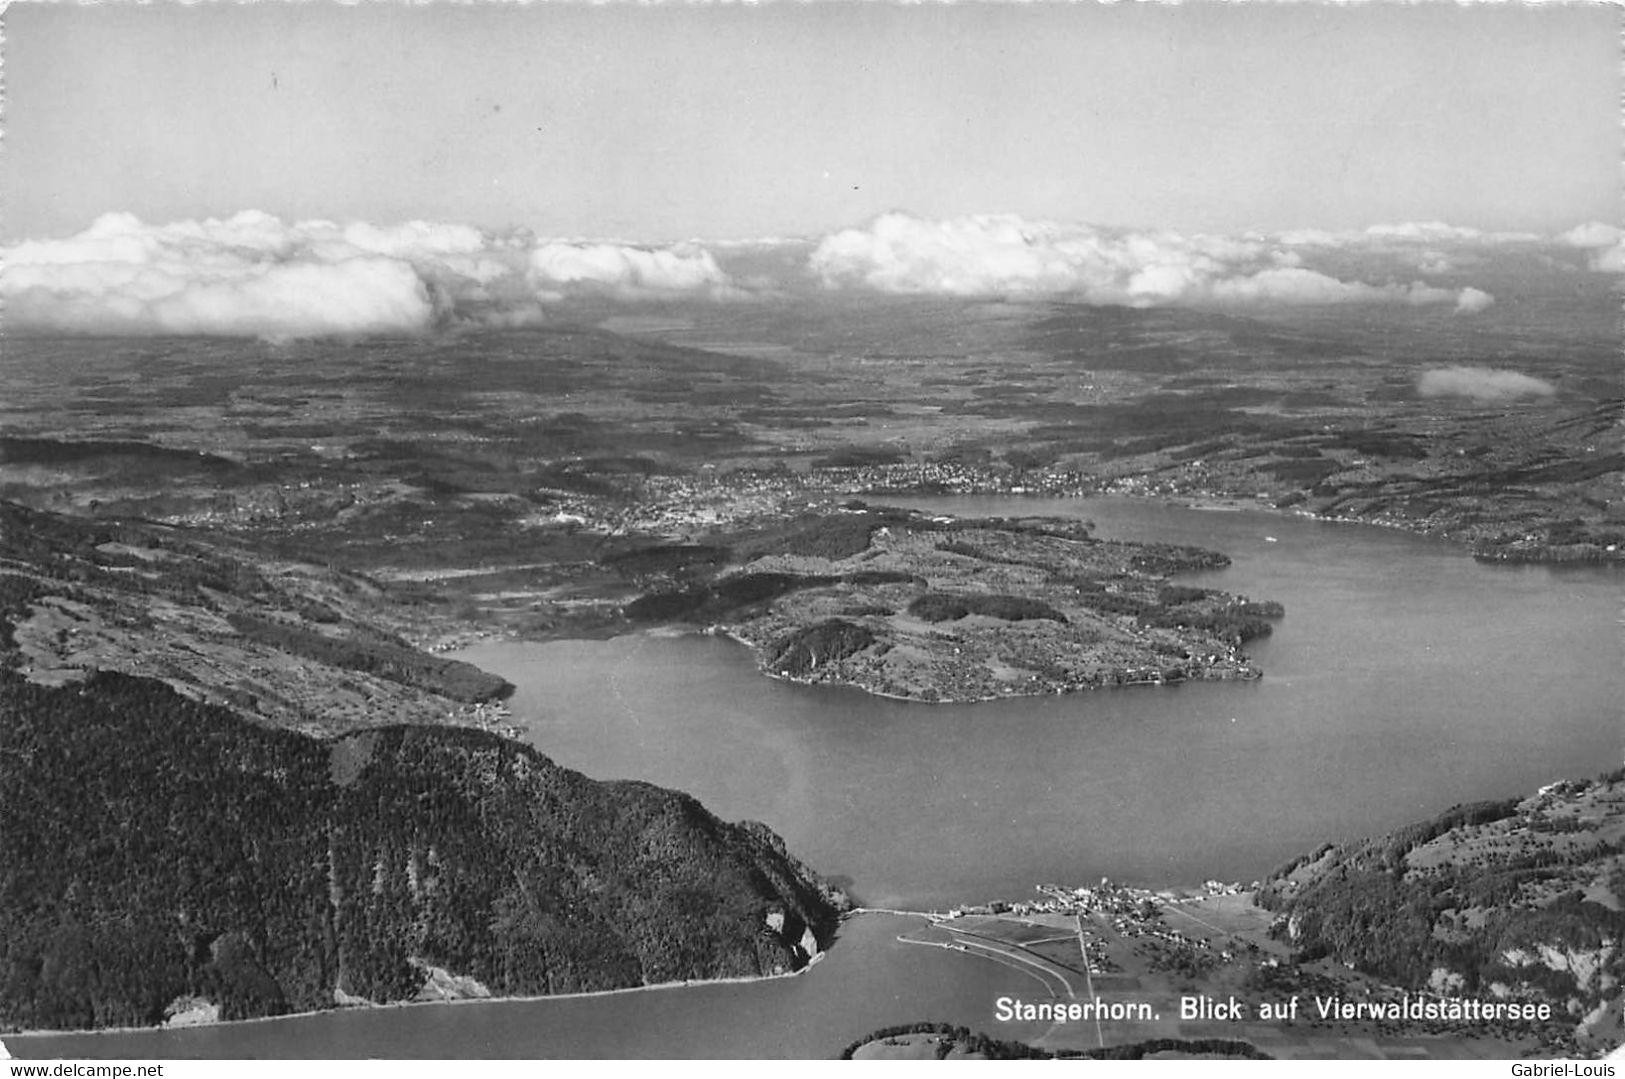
column 1404, row 678
column 869, row 980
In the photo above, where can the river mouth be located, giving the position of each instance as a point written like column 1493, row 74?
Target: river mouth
column 1404, row 678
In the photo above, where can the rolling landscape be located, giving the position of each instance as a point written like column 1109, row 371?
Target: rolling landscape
column 942, row 634
column 291, row 591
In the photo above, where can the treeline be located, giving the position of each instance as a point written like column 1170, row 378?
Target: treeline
column 972, row 550
column 1571, row 471
column 1362, row 904
column 146, row 455
column 1164, row 559
column 1231, row 620
column 962, row 1038
column 726, row 597
column 830, row 641
column 1390, row 444
column 1302, row 471
column 952, row 606
column 50, row 543
column 1386, row 925
column 17, row 596
column 951, row 1038
column 858, row 457
column 1568, row 533
column 153, row 847
column 1389, row 851
column 865, row 577
column 61, row 548
column 218, row 578
column 1209, row 1047
column 828, row 535
column 357, row 651
column 720, row 598
column 666, row 559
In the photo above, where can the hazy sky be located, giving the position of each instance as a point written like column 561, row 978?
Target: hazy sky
column 655, row 123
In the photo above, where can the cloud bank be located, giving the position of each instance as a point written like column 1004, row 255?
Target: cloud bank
column 1604, row 244
column 254, row 275
column 1406, row 234
column 1481, row 384
column 1005, row 255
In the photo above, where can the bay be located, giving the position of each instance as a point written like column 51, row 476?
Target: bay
column 1404, row 678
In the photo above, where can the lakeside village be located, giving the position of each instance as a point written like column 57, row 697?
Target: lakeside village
column 713, row 497
column 710, row 497
column 666, row 503
column 1134, row 912
column 1107, row 897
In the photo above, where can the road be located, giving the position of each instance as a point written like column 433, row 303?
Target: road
column 1088, row 978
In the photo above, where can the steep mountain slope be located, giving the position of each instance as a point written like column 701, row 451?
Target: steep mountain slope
column 164, row 851
column 1519, row 899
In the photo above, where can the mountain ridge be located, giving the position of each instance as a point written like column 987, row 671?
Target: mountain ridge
column 164, row 848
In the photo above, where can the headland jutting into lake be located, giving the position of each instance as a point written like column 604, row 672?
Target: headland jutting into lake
column 932, row 608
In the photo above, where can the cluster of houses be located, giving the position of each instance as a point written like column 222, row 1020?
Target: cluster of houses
column 492, row 716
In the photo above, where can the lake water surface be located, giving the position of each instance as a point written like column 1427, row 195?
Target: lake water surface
column 1404, row 678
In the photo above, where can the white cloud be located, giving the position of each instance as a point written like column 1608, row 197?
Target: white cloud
column 1007, row 256
column 1481, row 384
column 1405, row 234
column 1609, row 259
column 1297, row 285
column 630, row 270
column 1592, row 234
column 253, row 274
column 1605, row 245
column 1472, row 300
column 1434, row 232
column 1421, row 231
column 1434, row 248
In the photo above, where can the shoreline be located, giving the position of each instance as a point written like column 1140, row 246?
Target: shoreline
column 697, row 983
column 1241, row 504
column 1209, row 504
column 1063, row 692
column 1082, row 687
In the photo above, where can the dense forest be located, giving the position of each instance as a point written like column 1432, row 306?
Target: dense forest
column 1505, row 887
column 727, row 596
column 950, row 607
column 153, row 847
column 950, row 1038
column 830, row 641
column 374, row 653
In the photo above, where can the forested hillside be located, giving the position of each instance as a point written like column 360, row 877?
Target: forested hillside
column 285, row 642
column 1517, row 899
column 153, row 848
